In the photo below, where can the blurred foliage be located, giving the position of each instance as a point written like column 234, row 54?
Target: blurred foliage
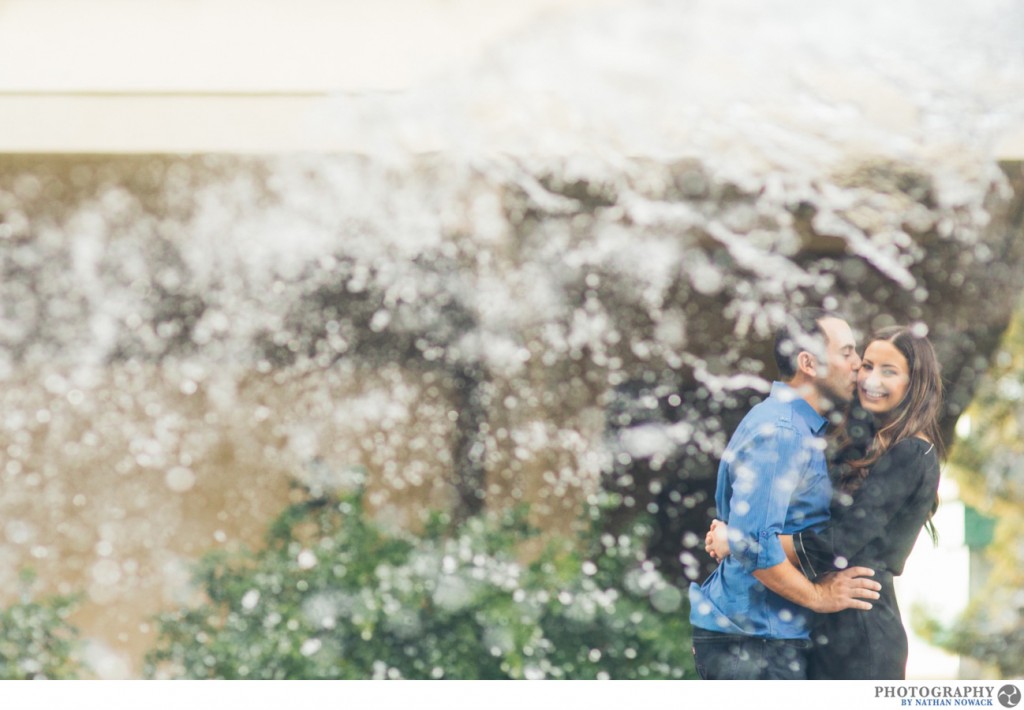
column 37, row 641
column 987, row 461
column 333, row 595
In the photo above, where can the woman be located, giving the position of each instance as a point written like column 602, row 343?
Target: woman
column 886, row 491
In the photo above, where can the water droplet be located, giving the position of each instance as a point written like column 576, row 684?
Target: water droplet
column 310, row 646
column 250, row 599
column 306, row 559
column 180, row 479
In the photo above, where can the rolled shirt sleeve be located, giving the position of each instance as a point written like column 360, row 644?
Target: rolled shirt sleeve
column 767, row 470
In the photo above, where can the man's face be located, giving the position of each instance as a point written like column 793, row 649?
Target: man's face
column 837, row 376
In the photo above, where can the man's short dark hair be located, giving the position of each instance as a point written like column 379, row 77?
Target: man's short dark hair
column 791, row 338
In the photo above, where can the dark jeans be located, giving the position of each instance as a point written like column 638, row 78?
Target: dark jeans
column 736, row 657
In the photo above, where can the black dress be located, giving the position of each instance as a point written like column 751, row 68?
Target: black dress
column 876, row 529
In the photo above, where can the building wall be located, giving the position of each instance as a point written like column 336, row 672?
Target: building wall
column 266, row 75
column 226, row 75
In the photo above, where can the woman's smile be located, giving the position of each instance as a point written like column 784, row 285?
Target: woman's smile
column 875, row 395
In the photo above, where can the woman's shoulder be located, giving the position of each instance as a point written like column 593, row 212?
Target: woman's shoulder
column 913, row 444
column 909, row 450
column 905, row 466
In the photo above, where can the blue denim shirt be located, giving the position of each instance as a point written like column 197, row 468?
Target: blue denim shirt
column 772, row 480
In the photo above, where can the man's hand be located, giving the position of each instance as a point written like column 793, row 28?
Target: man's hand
column 845, row 590
column 835, row 591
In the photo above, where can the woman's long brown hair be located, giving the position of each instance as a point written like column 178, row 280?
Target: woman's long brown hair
column 917, row 414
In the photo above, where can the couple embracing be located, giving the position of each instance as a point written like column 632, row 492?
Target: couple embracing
column 818, row 522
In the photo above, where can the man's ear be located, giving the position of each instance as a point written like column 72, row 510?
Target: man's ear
column 807, row 363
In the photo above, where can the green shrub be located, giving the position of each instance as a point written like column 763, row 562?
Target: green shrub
column 37, row 641
column 333, row 595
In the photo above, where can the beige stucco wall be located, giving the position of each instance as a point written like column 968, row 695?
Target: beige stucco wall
column 226, row 75
column 115, row 76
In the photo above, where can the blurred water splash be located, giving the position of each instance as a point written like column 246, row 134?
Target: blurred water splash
column 759, row 85
column 635, row 133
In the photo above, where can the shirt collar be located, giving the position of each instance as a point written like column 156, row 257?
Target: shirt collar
column 784, row 393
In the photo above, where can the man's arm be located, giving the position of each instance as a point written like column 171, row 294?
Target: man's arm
column 716, row 543
column 762, row 476
column 832, row 592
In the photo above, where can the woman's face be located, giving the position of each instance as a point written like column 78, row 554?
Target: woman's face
column 883, row 378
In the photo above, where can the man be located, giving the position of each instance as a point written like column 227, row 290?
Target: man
column 751, row 617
